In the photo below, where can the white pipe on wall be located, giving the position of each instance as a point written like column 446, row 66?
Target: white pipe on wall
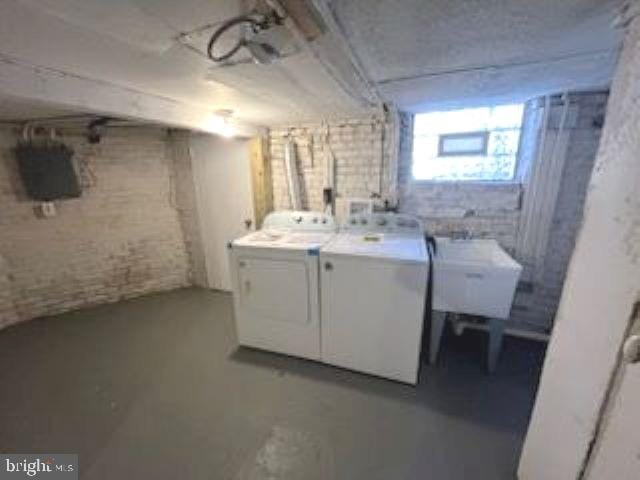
column 329, row 170
column 291, row 168
column 461, row 325
column 394, row 155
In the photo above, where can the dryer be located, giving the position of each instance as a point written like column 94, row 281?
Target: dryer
column 275, row 278
column 374, row 277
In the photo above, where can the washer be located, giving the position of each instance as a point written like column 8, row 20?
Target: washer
column 373, row 291
column 274, row 274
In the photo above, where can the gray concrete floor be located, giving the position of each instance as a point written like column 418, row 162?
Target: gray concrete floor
column 154, row 388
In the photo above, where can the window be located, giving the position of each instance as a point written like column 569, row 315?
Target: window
column 478, row 144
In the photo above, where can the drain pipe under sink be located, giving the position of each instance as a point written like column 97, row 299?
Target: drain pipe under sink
column 459, row 326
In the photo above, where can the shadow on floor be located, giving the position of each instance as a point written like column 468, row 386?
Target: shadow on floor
column 457, row 385
column 155, row 388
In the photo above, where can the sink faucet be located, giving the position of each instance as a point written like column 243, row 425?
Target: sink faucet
column 460, row 235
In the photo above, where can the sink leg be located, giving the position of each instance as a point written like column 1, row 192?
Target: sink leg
column 437, row 326
column 496, row 332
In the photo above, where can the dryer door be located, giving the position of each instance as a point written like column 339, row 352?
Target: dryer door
column 274, row 289
column 276, row 303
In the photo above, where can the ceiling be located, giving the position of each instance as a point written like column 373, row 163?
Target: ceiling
column 442, row 52
column 417, row 54
column 18, row 110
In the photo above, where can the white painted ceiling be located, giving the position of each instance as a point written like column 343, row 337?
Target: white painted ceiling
column 424, row 54
column 296, row 88
column 419, row 54
column 18, row 109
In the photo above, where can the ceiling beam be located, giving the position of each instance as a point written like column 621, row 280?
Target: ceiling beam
column 489, row 85
column 27, row 81
column 333, row 25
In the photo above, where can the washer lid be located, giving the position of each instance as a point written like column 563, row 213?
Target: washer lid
column 379, row 245
column 281, row 239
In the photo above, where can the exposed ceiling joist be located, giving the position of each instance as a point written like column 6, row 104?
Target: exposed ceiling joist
column 494, row 84
column 350, row 56
column 78, row 93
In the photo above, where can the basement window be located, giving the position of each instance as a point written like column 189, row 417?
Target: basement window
column 473, row 144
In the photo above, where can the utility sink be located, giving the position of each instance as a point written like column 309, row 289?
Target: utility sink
column 475, row 277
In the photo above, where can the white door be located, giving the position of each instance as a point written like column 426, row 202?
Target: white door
column 616, row 454
column 222, row 177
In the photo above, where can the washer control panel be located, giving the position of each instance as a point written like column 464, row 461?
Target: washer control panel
column 383, row 222
column 299, row 220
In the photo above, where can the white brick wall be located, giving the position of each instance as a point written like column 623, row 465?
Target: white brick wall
column 122, row 238
column 357, row 145
column 539, row 305
column 484, row 209
column 135, row 230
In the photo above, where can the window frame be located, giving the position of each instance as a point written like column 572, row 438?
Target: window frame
column 515, row 180
column 482, row 134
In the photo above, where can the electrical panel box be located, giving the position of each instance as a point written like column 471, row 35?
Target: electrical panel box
column 47, row 171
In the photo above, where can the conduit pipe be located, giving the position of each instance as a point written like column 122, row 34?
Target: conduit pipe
column 291, row 168
column 529, row 223
column 328, row 187
column 551, row 188
column 459, row 326
column 394, row 157
column 330, row 69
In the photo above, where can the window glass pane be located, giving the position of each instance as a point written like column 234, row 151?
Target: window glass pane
column 504, row 142
column 506, row 116
column 463, row 143
column 503, row 124
column 454, row 121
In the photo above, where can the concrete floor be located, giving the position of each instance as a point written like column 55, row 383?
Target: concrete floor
column 153, row 388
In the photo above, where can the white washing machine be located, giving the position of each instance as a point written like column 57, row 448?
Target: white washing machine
column 274, row 273
column 373, row 279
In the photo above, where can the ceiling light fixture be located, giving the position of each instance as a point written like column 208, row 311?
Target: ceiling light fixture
column 220, row 124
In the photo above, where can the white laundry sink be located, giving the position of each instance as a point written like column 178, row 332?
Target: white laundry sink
column 475, row 277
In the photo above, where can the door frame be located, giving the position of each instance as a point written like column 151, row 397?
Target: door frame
column 610, row 398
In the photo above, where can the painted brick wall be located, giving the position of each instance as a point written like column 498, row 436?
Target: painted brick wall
column 122, row 238
column 484, row 209
column 493, row 210
column 358, row 145
column 360, row 149
column 538, row 306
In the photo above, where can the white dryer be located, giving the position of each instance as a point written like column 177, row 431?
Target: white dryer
column 274, row 274
column 374, row 277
